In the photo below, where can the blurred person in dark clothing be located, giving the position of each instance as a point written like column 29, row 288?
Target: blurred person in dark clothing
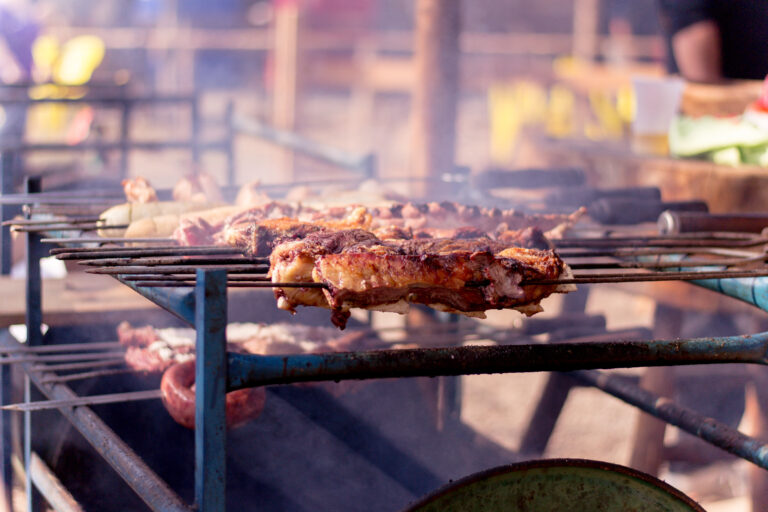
column 713, row 40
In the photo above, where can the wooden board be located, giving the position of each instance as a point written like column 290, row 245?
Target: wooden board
column 610, row 165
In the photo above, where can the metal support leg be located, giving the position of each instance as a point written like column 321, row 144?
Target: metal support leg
column 547, row 412
column 125, row 127
column 6, row 211
column 195, row 135
column 211, row 383
column 230, row 140
column 34, row 320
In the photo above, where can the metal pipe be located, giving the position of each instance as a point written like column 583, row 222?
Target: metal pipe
column 179, row 302
column 6, row 211
column 752, row 290
column 210, row 384
column 301, row 144
column 252, row 370
column 714, row 432
column 33, row 321
column 51, row 488
column 140, row 477
column 85, row 253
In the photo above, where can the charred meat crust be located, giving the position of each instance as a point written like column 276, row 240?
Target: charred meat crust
column 359, row 270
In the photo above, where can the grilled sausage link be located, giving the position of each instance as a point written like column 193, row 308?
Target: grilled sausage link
column 177, row 387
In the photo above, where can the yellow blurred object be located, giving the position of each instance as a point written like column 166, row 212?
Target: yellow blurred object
column 505, row 121
column 625, row 103
column 609, row 123
column 560, row 112
column 80, row 56
column 45, row 52
column 511, row 108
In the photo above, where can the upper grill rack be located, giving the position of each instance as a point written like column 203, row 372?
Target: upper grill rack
column 593, row 260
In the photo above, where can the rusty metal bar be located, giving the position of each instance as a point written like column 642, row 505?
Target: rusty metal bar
column 250, row 370
column 86, row 253
column 716, row 433
column 37, row 222
column 49, row 485
column 105, row 240
column 188, row 277
column 59, row 227
column 88, row 375
column 178, row 260
column 140, row 477
column 675, row 241
column 725, row 262
column 176, row 269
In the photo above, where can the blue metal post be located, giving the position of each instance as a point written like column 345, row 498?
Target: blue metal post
column 6, row 211
column 210, row 384
column 34, row 320
column 125, row 127
column 230, row 143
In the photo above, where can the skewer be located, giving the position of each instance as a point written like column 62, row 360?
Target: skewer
column 660, row 241
column 87, row 375
column 669, row 264
column 233, row 284
column 78, row 366
column 63, row 220
column 104, row 240
column 651, row 276
column 176, row 269
column 66, row 347
column 96, row 356
column 626, row 252
column 578, row 279
column 65, row 253
column 55, row 227
column 176, row 260
column 190, row 277
column 84, row 400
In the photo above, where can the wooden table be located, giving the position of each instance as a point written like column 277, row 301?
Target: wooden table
column 612, row 164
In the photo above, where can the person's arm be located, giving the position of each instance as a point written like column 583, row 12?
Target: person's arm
column 697, row 52
column 693, row 39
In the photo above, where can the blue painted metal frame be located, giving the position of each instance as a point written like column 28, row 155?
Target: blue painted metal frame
column 252, row 370
column 6, row 212
column 210, row 379
column 34, row 322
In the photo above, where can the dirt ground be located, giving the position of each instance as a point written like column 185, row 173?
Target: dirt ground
column 593, row 424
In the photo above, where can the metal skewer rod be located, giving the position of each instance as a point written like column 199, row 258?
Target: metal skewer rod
column 66, row 347
column 235, row 284
column 84, row 400
column 58, row 200
column 70, row 253
column 661, row 242
column 176, row 260
column 699, row 235
column 579, row 279
column 187, row 277
column 668, row 264
column 78, row 366
column 88, row 375
column 651, row 276
column 59, row 227
column 96, row 356
column 105, row 240
column 626, row 252
column 62, row 220
column 175, row 269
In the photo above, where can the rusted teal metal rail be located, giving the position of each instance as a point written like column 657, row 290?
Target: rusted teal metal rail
column 253, row 370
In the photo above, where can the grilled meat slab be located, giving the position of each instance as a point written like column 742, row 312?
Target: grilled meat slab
column 357, row 269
